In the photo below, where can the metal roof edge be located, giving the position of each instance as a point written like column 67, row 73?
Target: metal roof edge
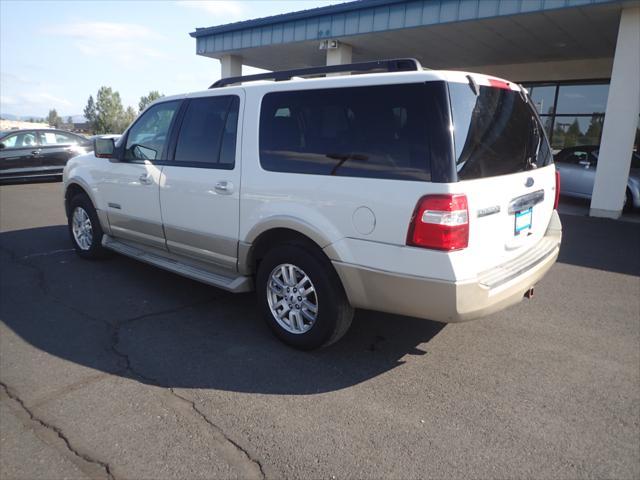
column 292, row 16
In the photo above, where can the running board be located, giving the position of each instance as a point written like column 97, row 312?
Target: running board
column 235, row 284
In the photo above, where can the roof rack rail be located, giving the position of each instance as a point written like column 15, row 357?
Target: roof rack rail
column 391, row 65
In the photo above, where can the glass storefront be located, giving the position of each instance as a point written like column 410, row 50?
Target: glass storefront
column 572, row 113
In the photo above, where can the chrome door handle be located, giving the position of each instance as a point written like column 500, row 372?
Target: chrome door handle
column 35, row 153
column 224, row 187
column 146, row 179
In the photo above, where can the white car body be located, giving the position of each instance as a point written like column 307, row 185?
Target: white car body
column 216, row 217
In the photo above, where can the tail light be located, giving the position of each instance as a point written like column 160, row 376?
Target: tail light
column 557, row 199
column 440, row 222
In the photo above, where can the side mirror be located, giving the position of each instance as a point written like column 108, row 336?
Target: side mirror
column 585, row 163
column 2, row 145
column 104, row 147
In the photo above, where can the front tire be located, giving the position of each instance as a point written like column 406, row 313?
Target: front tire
column 84, row 228
column 301, row 297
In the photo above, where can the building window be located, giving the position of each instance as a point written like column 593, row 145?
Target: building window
column 572, row 113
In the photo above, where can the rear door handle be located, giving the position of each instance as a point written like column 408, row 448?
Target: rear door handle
column 35, row 153
column 146, row 179
column 226, row 188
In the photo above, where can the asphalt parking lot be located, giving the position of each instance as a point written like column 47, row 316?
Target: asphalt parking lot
column 115, row 369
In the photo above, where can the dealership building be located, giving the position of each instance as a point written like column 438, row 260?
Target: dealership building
column 580, row 59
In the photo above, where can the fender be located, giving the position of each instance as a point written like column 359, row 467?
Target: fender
column 102, row 215
column 318, row 236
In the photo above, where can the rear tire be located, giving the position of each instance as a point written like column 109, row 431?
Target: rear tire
column 84, row 228
column 301, row 297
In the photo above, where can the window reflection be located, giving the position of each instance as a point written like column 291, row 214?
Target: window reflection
column 573, row 114
column 543, row 97
column 577, row 130
column 573, row 99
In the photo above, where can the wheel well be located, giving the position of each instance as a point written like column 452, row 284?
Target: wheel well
column 72, row 190
column 279, row 236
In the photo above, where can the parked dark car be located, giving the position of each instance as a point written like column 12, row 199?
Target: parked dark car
column 38, row 154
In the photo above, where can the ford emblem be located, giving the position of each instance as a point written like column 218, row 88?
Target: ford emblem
column 529, row 182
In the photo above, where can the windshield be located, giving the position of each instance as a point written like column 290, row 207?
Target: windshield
column 496, row 132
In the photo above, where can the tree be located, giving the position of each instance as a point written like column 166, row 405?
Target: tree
column 105, row 115
column 90, row 112
column 53, row 119
column 127, row 118
column 594, row 132
column 70, row 120
column 145, row 101
column 573, row 134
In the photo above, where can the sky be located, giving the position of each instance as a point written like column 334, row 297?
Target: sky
column 54, row 54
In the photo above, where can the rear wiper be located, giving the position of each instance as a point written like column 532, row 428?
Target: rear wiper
column 532, row 159
column 343, row 157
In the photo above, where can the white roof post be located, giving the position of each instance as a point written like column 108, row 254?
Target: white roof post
column 620, row 121
column 230, row 66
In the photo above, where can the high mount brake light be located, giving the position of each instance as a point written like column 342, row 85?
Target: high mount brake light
column 499, row 84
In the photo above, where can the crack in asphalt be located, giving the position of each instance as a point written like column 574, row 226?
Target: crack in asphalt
column 219, row 430
column 115, row 338
column 46, row 254
column 127, row 368
column 83, row 456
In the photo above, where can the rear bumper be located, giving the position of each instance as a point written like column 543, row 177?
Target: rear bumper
column 444, row 301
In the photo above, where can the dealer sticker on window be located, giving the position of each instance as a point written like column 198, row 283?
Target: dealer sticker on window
column 523, row 220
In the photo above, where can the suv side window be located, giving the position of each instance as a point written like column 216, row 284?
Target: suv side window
column 148, row 136
column 387, row 131
column 207, row 135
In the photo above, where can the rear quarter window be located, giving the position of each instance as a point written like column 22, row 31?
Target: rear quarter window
column 389, row 131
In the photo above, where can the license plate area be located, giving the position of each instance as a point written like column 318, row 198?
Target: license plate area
column 523, row 220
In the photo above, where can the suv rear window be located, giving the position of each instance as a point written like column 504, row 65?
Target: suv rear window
column 495, row 133
column 388, row 131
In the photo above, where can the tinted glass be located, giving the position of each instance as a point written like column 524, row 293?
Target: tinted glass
column 228, row 148
column 575, row 99
column 208, row 132
column 147, row 137
column 10, row 141
column 578, row 130
column 496, row 133
column 576, row 155
column 543, row 98
column 390, row 131
column 20, row 140
column 59, row 138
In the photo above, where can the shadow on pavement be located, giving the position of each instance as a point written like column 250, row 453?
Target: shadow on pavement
column 134, row 320
column 127, row 318
column 601, row 243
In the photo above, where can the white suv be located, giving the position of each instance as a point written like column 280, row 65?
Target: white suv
column 422, row 193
